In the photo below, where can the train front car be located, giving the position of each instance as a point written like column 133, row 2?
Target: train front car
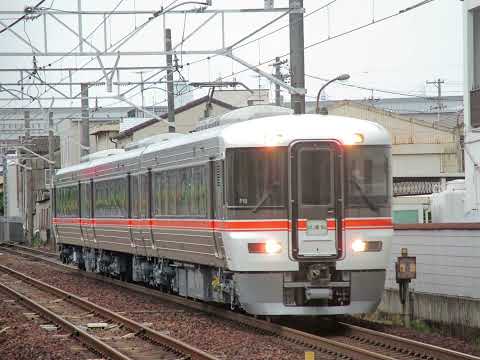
column 276, row 215
column 307, row 227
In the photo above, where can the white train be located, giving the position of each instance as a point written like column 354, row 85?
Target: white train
column 273, row 213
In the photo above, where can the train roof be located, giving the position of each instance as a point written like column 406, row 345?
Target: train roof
column 262, row 132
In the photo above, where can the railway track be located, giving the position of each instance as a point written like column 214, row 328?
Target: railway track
column 106, row 332
column 348, row 342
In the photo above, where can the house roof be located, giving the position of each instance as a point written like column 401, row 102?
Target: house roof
column 399, row 117
column 99, row 128
column 178, row 110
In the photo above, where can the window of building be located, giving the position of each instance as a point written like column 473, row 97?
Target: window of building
column 111, row 198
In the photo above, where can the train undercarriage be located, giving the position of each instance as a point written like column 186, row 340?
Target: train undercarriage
column 317, row 289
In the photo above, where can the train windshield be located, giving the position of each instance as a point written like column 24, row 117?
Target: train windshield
column 367, row 177
column 256, row 177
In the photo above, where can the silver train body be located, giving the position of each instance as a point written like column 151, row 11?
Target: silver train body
column 276, row 215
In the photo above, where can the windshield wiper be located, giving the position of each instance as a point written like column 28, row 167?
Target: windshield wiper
column 372, row 206
column 265, row 196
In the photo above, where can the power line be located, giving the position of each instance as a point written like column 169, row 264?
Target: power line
column 392, row 92
column 403, row 11
column 374, row 22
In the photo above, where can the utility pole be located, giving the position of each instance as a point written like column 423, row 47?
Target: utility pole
column 278, row 74
column 6, row 224
column 142, row 90
column 170, row 95
column 51, row 167
column 438, row 84
column 85, row 124
column 297, row 52
column 28, row 189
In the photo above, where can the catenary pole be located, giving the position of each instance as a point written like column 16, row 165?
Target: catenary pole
column 297, row 51
column 85, row 123
column 170, row 94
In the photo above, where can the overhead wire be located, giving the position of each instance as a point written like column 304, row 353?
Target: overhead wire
column 400, row 12
column 116, row 44
column 316, row 43
column 21, row 17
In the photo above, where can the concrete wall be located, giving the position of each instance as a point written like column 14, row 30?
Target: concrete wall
column 447, row 287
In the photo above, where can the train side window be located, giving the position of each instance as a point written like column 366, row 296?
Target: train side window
column 111, row 198
column 134, row 194
column 85, row 198
column 184, row 195
column 67, row 201
column 171, row 192
column 139, row 192
column 180, row 192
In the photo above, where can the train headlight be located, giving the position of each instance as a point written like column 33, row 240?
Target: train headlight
column 353, row 139
column 359, row 245
column 272, row 247
column 364, row 246
column 268, row 247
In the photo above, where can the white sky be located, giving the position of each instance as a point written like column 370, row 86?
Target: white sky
column 399, row 54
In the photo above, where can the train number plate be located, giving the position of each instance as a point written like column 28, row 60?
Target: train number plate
column 317, row 227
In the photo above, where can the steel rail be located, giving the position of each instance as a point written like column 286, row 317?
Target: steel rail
column 87, row 339
column 422, row 350
column 320, row 344
column 155, row 336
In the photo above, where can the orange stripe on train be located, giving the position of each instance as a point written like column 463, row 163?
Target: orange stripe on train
column 227, row 225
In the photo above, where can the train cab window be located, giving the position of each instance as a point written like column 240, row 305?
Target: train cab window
column 316, row 177
column 256, row 177
column 67, row 201
column 367, row 178
column 111, row 198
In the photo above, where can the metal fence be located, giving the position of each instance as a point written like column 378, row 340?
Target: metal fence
column 15, row 227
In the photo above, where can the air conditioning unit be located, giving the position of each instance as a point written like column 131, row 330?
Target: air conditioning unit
column 269, row 4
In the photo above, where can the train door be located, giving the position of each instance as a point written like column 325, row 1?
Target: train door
column 140, row 232
column 315, row 199
column 86, row 213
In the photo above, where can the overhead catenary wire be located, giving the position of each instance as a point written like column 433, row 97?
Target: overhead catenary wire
column 345, row 33
column 116, row 44
column 318, row 42
column 23, row 17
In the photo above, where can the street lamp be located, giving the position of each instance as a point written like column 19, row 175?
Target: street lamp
column 324, row 111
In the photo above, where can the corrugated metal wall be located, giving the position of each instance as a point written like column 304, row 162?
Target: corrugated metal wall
column 448, row 261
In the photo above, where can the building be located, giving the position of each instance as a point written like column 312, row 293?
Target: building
column 471, row 31
column 186, row 119
column 242, row 98
column 425, row 155
column 101, row 136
